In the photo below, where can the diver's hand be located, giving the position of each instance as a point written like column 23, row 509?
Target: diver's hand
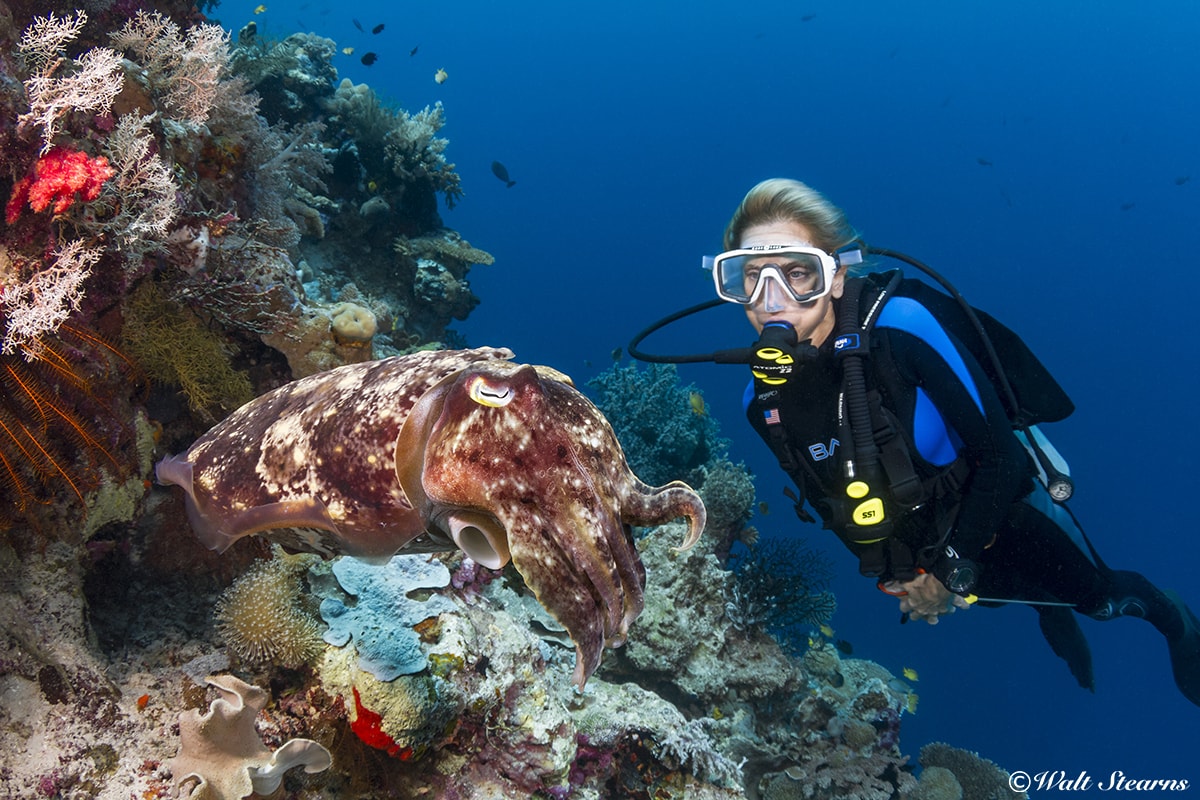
column 926, row 599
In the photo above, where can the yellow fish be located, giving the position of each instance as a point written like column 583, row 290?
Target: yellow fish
column 440, row 76
column 910, row 702
column 348, row 51
column 911, row 674
column 826, row 631
column 260, row 9
column 696, row 401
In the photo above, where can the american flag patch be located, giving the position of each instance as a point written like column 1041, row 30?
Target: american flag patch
column 771, row 415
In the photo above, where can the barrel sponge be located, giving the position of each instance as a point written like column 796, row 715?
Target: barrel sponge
column 352, row 325
column 261, row 619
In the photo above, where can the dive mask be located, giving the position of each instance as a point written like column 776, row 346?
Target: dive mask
column 805, row 273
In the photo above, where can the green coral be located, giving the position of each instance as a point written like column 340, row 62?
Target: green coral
column 173, row 347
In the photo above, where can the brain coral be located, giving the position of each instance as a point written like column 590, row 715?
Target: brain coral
column 261, row 620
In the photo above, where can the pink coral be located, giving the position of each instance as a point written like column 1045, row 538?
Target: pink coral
column 58, row 176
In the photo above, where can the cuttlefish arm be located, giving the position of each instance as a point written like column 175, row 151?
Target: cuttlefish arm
column 531, row 451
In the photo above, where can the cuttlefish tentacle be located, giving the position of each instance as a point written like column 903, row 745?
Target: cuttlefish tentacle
column 436, row 450
column 648, row 505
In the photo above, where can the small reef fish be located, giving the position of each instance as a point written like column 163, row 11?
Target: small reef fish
column 357, row 24
column 413, row 52
column 910, row 702
column 501, row 172
column 349, row 51
column 368, row 59
column 696, row 401
column 259, row 9
column 1182, row 179
column 808, row 17
column 826, row 631
column 763, row 508
column 440, row 76
column 911, row 674
column 378, row 28
column 844, row 647
column 616, row 354
column 983, row 162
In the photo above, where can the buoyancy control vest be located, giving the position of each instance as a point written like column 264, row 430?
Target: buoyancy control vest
column 879, row 481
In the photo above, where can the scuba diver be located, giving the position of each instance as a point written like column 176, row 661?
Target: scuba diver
column 907, row 420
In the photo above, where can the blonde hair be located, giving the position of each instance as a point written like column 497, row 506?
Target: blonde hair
column 787, row 200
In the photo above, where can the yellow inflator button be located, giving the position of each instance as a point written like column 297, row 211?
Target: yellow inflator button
column 868, row 513
column 858, row 489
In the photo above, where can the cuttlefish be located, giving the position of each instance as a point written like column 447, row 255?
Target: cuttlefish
column 437, row 450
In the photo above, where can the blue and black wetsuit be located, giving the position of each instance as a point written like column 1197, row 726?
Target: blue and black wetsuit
column 993, row 512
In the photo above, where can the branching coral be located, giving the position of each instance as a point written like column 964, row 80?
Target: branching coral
column 183, row 69
column 58, row 87
column 689, row 744
column 779, row 585
column 33, row 307
column 173, row 347
column 664, row 437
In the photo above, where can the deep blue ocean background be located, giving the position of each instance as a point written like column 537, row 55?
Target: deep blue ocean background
column 1043, row 155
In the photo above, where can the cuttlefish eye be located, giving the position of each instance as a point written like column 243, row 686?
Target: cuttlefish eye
column 488, row 394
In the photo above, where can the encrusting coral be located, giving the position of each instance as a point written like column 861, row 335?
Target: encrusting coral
column 380, row 617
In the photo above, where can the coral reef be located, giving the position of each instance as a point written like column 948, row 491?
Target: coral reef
column 233, row 215
column 977, row 777
column 778, row 584
column 665, row 438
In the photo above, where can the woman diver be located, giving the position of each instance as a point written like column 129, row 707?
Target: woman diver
column 931, row 489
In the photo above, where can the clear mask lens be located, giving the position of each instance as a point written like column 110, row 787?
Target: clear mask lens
column 742, row 276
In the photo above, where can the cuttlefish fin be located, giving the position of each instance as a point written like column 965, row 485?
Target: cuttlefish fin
column 219, row 533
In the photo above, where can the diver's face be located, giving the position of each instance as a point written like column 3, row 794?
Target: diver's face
column 812, row 320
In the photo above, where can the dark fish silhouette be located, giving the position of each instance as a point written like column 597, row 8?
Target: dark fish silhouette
column 501, row 172
column 983, row 162
column 357, row 24
column 368, row 59
column 413, row 52
column 378, row 28
column 808, row 17
column 1127, row 206
column 844, row 647
column 1182, row 179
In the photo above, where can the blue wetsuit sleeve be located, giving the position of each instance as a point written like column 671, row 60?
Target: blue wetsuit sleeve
column 967, row 403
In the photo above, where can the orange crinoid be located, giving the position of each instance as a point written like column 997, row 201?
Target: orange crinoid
column 58, row 428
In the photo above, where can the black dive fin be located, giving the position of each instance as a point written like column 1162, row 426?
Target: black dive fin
column 1185, row 651
column 1066, row 639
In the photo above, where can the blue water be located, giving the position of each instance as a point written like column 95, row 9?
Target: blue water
column 632, row 130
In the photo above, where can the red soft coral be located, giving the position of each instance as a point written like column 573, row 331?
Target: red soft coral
column 58, row 176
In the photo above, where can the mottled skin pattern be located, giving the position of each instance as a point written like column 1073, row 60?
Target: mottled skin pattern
column 369, row 459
